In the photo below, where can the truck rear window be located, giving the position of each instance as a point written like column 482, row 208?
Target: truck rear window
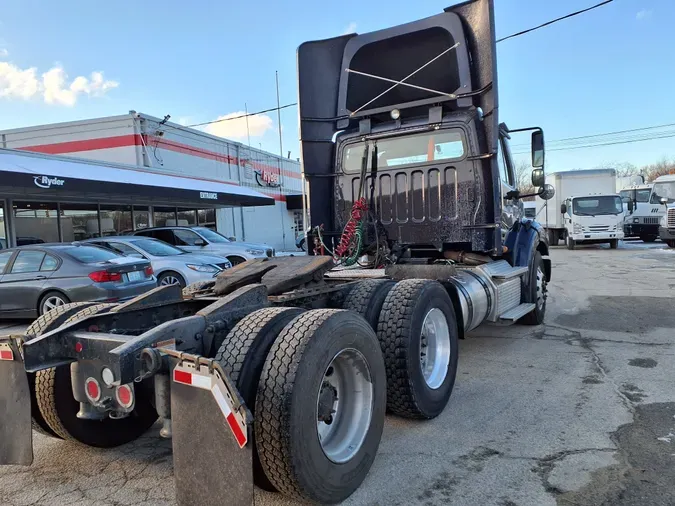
column 415, row 149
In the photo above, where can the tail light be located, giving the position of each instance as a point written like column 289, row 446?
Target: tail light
column 125, row 396
column 148, row 271
column 93, row 389
column 105, row 276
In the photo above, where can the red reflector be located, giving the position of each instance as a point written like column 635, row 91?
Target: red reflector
column 78, row 347
column 93, row 390
column 124, row 396
column 236, row 430
column 105, row 276
column 6, row 355
column 182, row 377
column 148, row 271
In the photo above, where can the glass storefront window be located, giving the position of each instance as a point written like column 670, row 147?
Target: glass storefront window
column 35, row 222
column 207, row 218
column 141, row 217
column 115, row 220
column 3, row 227
column 165, row 216
column 79, row 222
column 187, row 217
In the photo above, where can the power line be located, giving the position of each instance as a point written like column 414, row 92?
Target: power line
column 607, row 134
column 241, row 116
column 665, row 135
column 572, row 14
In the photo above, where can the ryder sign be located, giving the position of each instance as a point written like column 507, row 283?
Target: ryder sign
column 47, row 182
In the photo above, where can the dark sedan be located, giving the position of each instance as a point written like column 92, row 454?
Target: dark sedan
column 35, row 279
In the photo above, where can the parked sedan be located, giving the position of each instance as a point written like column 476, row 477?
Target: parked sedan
column 35, row 279
column 204, row 240
column 172, row 266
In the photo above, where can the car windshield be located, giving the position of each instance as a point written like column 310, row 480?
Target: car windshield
column 90, row 254
column 593, row 206
column 157, row 248
column 412, row 149
column 663, row 190
column 210, row 235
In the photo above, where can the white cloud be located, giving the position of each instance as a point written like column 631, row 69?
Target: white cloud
column 53, row 86
column 643, row 14
column 350, row 28
column 3, row 52
column 236, row 128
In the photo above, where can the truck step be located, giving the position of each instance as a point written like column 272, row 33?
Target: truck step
column 501, row 269
column 517, row 312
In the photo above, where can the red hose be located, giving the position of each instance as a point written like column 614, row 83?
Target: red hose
column 358, row 210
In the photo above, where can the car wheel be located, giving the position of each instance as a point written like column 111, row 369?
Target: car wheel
column 51, row 300
column 236, row 260
column 171, row 278
column 302, row 245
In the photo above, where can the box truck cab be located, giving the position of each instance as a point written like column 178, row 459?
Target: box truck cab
column 642, row 217
column 663, row 194
column 593, row 219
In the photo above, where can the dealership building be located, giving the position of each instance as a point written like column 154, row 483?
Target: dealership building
column 106, row 176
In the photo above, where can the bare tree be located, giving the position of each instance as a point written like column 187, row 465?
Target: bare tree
column 661, row 168
column 524, row 179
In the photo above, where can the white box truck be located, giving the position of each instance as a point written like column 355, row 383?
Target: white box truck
column 585, row 208
column 643, row 219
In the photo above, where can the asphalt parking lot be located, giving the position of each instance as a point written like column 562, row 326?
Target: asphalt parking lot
column 579, row 411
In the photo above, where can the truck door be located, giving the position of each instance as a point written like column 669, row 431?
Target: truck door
column 511, row 207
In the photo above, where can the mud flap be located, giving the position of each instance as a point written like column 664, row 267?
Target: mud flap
column 16, row 437
column 212, row 449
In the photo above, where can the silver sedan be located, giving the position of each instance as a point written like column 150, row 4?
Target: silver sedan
column 171, row 265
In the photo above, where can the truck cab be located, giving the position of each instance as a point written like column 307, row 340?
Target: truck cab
column 593, row 219
column 663, row 195
column 642, row 217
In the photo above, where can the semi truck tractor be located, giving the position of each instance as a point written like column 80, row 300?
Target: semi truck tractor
column 663, row 194
column 585, row 208
column 641, row 216
column 279, row 372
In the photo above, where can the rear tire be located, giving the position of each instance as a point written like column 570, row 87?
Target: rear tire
column 418, row 334
column 303, row 244
column 59, row 408
column 46, row 323
column 671, row 243
column 614, row 243
column 50, row 301
column 552, row 237
column 367, row 298
column 318, row 356
column 570, row 243
column 242, row 355
column 649, row 237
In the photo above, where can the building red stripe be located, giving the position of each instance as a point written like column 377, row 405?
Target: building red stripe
column 121, row 141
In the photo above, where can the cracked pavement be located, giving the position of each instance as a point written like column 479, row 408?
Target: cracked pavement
column 579, row 411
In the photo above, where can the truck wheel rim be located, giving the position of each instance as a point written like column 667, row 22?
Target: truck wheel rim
column 169, row 280
column 435, row 348
column 52, row 303
column 541, row 288
column 344, row 406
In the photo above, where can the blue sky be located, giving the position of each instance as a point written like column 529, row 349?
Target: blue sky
column 607, row 70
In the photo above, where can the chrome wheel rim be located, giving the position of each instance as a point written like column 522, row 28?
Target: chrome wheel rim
column 541, row 288
column 169, row 280
column 344, row 405
column 52, row 303
column 435, row 348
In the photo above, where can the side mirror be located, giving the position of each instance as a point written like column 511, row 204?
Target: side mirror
column 538, row 178
column 200, row 242
column 631, row 206
column 664, row 201
column 538, row 150
column 563, row 208
column 233, row 239
column 547, row 192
